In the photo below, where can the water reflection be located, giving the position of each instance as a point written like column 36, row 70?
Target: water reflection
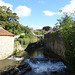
column 38, row 53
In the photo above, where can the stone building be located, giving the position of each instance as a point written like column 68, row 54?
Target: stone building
column 6, row 43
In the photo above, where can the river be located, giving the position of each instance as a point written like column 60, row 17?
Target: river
column 39, row 63
column 45, row 66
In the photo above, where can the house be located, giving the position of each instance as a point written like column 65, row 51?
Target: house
column 6, row 43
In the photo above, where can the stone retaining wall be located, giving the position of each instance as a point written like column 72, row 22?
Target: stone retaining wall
column 57, row 46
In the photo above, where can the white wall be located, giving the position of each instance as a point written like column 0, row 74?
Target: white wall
column 6, row 46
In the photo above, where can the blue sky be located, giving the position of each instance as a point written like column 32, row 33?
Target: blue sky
column 39, row 13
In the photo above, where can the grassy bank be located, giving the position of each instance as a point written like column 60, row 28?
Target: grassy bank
column 22, row 42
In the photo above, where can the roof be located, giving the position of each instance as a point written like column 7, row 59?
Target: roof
column 5, row 32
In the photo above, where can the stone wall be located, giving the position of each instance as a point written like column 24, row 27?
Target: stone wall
column 57, row 46
column 6, row 46
column 17, row 46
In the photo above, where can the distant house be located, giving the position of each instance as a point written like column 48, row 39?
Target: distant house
column 6, row 43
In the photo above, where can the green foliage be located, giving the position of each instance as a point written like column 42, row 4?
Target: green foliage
column 40, row 31
column 53, row 35
column 43, row 32
column 43, row 36
column 66, row 22
column 7, row 15
column 22, row 36
column 67, row 28
column 20, row 40
column 23, row 41
column 9, row 21
column 37, row 32
column 29, row 35
column 18, row 52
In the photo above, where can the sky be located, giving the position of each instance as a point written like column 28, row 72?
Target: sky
column 39, row 13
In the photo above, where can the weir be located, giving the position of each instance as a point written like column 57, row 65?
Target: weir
column 45, row 66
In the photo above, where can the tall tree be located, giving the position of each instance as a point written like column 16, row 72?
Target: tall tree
column 9, row 21
column 67, row 28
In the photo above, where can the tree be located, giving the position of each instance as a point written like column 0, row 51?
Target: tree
column 9, row 21
column 67, row 28
column 46, row 28
column 66, row 21
column 7, row 15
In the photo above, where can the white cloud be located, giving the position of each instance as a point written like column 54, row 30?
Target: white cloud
column 70, row 7
column 48, row 13
column 35, row 26
column 23, row 11
column 5, row 4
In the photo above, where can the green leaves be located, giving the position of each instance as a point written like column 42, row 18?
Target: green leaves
column 67, row 28
column 53, row 35
column 9, row 21
column 43, row 32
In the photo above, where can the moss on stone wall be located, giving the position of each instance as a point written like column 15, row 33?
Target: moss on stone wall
column 53, row 35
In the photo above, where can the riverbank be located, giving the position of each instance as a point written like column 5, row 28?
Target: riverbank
column 38, row 66
column 16, row 70
column 38, row 63
column 7, row 64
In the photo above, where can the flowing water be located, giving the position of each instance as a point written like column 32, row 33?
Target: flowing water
column 45, row 66
column 39, row 64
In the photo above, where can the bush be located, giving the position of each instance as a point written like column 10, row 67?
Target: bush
column 20, row 40
column 29, row 35
column 16, row 52
column 22, row 36
column 20, row 53
column 23, row 41
column 67, row 28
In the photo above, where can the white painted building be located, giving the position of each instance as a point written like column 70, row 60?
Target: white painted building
column 6, row 43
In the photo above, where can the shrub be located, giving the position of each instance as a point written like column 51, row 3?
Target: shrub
column 23, row 41
column 22, row 36
column 16, row 52
column 20, row 40
column 67, row 28
column 29, row 35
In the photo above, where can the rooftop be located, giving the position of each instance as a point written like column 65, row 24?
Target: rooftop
column 5, row 32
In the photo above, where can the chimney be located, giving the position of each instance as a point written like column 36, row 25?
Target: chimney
column 1, row 27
